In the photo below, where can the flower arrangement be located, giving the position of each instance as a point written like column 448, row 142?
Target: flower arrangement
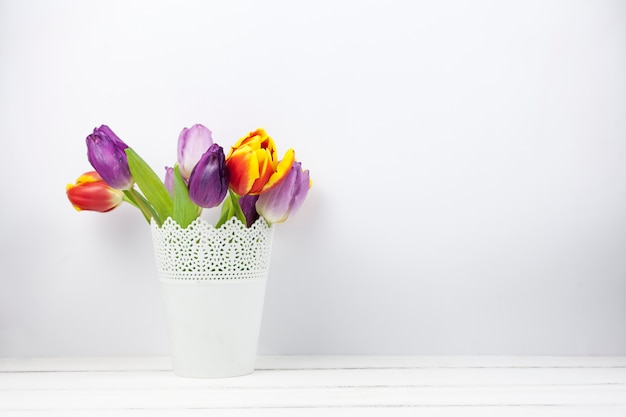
column 249, row 182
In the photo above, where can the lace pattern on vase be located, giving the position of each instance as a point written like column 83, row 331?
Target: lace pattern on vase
column 202, row 252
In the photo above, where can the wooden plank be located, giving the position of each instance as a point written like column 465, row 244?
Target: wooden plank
column 517, row 411
column 314, row 397
column 303, row 385
column 317, row 378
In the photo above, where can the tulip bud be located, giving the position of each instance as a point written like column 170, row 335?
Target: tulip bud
column 91, row 193
column 208, row 182
column 283, row 200
column 105, row 152
column 169, row 180
column 248, row 207
column 192, row 144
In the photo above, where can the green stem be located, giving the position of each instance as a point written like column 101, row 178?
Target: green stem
column 230, row 208
column 129, row 200
column 226, row 212
column 238, row 212
column 142, row 204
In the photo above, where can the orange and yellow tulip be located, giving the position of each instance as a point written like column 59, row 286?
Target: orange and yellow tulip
column 254, row 166
column 92, row 193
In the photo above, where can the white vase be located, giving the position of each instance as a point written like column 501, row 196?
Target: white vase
column 213, row 283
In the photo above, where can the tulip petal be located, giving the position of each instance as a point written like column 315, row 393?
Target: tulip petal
column 93, row 195
column 244, row 170
column 91, row 176
column 282, row 170
column 168, row 181
column 208, row 182
column 192, row 144
column 303, row 184
column 264, row 171
column 105, row 152
column 274, row 206
column 248, row 207
column 286, row 197
column 106, row 130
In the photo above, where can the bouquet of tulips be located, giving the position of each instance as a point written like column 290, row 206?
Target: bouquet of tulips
column 249, row 182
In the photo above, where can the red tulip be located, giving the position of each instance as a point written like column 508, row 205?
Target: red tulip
column 92, row 193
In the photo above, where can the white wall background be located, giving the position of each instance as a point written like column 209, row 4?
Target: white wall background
column 468, row 160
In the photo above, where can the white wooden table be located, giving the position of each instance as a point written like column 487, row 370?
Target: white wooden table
column 319, row 386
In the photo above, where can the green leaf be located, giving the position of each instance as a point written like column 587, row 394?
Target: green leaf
column 151, row 186
column 227, row 212
column 231, row 208
column 185, row 211
column 237, row 208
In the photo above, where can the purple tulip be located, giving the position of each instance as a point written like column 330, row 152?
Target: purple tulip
column 169, row 180
column 208, row 182
column 286, row 197
column 105, row 152
column 248, row 207
column 192, row 144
